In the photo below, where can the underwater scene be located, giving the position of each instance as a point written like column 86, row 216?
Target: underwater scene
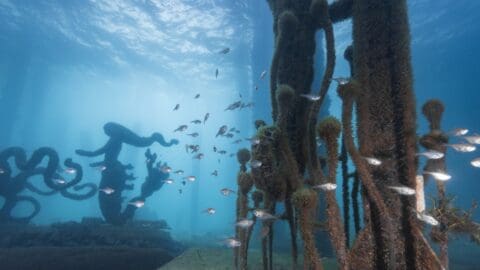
column 239, row 134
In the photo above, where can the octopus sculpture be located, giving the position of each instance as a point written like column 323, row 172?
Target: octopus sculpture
column 114, row 174
column 14, row 181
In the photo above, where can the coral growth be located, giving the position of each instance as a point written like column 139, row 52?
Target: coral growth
column 243, row 156
column 305, row 201
column 329, row 131
column 380, row 90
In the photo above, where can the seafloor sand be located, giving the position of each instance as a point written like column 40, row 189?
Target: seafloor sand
column 222, row 259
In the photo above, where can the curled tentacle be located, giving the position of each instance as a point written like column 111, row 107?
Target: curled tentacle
column 91, row 191
column 78, row 173
column 127, row 136
column 51, row 168
column 19, row 156
column 38, row 191
column 86, row 153
column 6, row 211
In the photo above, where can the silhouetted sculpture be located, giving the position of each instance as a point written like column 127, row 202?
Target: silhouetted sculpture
column 114, row 173
column 11, row 185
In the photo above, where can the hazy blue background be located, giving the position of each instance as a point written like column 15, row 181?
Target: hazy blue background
column 70, row 66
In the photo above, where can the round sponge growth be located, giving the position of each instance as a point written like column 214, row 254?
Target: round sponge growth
column 329, row 128
column 304, row 198
column 433, row 111
column 285, row 95
column 259, row 123
column 349, row 90
column 243, row 156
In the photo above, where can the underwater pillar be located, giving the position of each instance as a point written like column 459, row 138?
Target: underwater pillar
column 437, row 140
column 387, row 131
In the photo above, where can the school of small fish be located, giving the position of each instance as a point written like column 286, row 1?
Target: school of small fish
column 226, row 131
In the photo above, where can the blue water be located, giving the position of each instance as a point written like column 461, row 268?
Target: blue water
column 68, row 67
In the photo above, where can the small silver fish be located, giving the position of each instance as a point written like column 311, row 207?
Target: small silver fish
column 107, row 190
column 168, row 181
column 253, row 140
column 191, row 178
column 474, row 139
column 210, row 211
column 255, row 164
column 256, row 87
column 326, row 187
column 244, row 223
column 59, row 181
column 263, row 215
column 181, row 128
column 165, row 169
column 463, row 147
column 439, row 175
column 179, row 172
column 193, row 147
column 205, row 118
column 194, row 134
column 196, row 121
column 475, row 162
column 311, row 97
column 341, row 80
column 224, row 51
column 226, row 191
column 176, row 107
column 70, row 170
column 137, row 204
column 215, row 173
column 431, row 154
column 458, row 132
column 198, row 156
column 232, row 242
column 373, row 161
column 100, row 168
column 263, row 74
column 2, row 171
column 428, row 219
column 237, row 141
column 234, row 106
column 196, row 96
column 221, row 130
column 216, row 73
column 402, row 190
